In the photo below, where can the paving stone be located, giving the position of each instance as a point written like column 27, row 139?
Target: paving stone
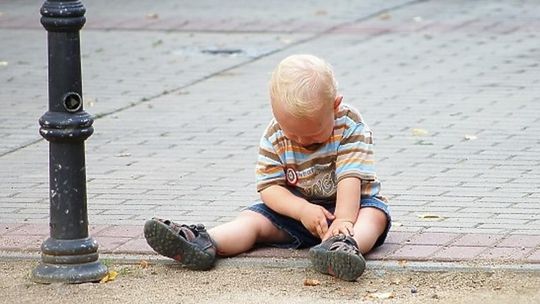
column 109, row 244
column 534, row 257
column 459, row 253
column 486, row 240
column 467, row 230
column 31, row 229
column 134, row 246
column 17, row 242
column 382, row 252
column 399, row 237
column 515, row 241
column 415, row 252
column 505, row 253
column 121, row 231
column 428, row 238
column 6, row 228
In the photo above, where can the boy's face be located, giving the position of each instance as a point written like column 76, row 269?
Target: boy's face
column 307, row 131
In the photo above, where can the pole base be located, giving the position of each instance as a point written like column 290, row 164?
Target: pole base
column 69, row 261
column 71, row 274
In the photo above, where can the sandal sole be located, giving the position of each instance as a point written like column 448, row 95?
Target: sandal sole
column 168, row 243
column 342, row 265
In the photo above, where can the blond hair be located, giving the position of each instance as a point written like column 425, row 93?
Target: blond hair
column 304, row 84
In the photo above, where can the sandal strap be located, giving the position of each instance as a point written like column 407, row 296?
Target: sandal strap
column 195, row 234
column 189, row 232
column 344, row 243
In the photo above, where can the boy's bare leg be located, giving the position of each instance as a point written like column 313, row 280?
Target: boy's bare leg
column 369, row 225
column 243, row 232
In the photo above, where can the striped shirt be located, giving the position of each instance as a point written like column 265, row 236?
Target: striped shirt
column 314, row 171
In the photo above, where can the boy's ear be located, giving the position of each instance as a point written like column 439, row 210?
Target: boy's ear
column 337, row 102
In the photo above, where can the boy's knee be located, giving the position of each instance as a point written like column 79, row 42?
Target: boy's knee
column 262, row 226
column 251, row 220
column 375, row 215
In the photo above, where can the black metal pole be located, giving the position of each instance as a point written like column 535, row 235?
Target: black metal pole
column 69, row 255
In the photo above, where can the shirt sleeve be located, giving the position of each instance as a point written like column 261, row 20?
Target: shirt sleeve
column 355, row 154
column 269, row 170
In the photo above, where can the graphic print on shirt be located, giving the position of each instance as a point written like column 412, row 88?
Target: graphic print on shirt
column 318, row 181
column 291, row 176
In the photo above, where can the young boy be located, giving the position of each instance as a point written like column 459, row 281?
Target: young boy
column 316, row 180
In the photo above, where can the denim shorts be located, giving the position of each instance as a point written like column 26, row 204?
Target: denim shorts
column 301, row 237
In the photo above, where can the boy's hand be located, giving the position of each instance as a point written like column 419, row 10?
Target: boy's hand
column 314, row 218
column 342, row 226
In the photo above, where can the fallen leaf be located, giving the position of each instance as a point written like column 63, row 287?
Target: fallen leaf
column 3, row 63
column 419, row 132
column 90, row 101
column 395, row 281
column 470, row 137
column 311, row 282
column 285, row 40
column 402, row 263
column 152, row 16
column 429, row 216
column 384, row 16
column 111, row 276
column 143, row 264
column 382, row 295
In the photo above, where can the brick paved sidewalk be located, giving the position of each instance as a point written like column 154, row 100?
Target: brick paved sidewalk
column 409, row 246
column 453, row 90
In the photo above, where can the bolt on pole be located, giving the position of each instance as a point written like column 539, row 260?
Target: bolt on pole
column 69, row 255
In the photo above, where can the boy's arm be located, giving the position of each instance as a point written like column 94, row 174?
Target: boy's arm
column 282, row 201
column 354, row 164
column 347, row 206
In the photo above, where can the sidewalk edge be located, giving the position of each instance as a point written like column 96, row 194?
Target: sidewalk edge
column 269, row 262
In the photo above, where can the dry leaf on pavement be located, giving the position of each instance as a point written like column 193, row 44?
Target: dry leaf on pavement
column 381, row 295
column 111, row 276
column 143, row 264
column 384, row 16
column 429, row 216
column 311, row 282
column 419, row 132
